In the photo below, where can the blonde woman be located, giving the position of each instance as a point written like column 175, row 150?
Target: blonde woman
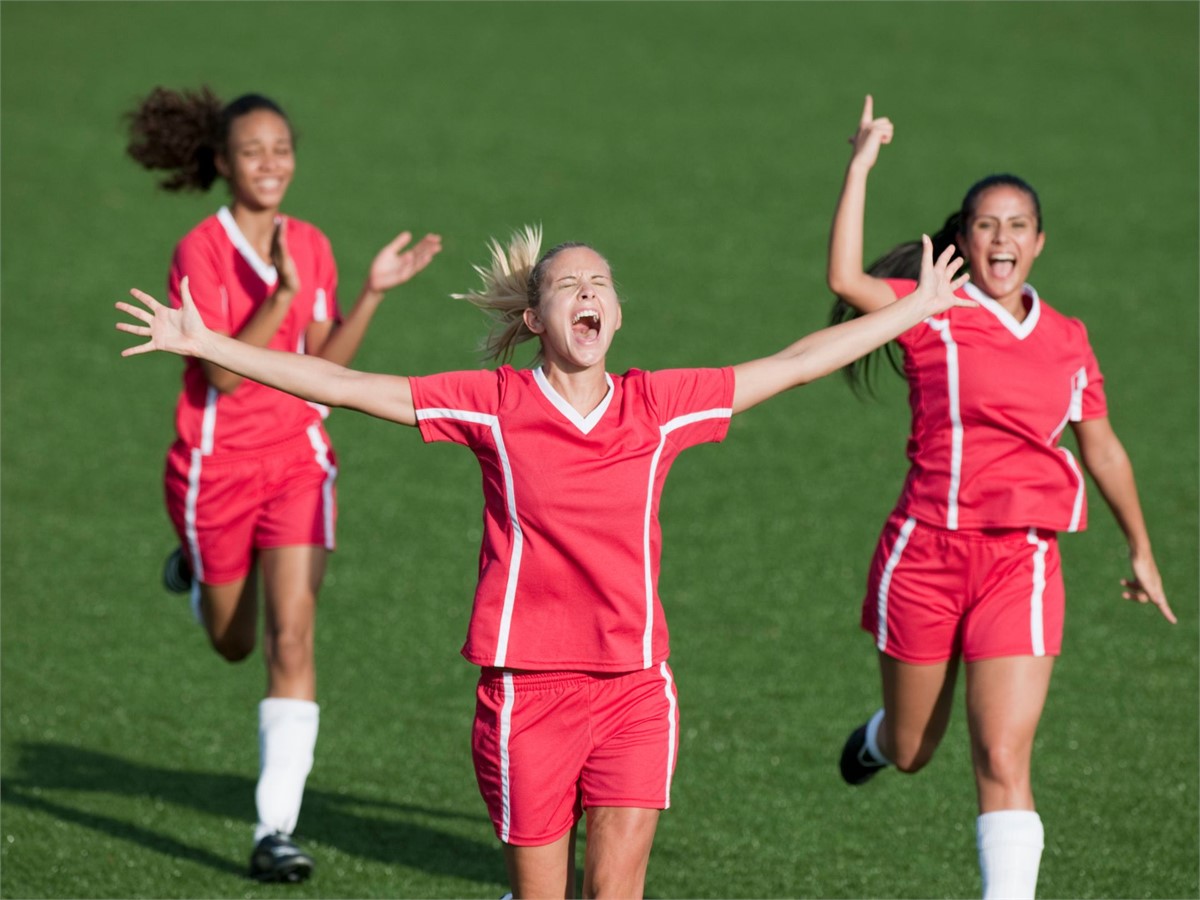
column 576, row 704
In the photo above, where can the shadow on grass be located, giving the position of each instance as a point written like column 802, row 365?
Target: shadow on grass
column 341, row 820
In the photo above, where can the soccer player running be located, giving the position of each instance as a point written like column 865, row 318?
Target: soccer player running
column 250, row 477
column 576, row 704
column 967, row 566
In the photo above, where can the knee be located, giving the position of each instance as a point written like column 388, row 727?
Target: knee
column 912, row 755
column 291, row 647
column 1002, row 763
column 232, row 647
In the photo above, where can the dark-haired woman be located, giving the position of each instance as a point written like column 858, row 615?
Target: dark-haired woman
column 576, row 706
column 250, row 477
column 967, row 567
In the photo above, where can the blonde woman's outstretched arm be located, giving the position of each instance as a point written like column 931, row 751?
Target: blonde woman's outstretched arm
column 182, row 331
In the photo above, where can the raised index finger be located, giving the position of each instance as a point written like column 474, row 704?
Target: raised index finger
column 868, row 113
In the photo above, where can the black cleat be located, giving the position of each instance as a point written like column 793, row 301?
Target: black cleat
column 276, row 858
column 177, row 573
column 857, row 765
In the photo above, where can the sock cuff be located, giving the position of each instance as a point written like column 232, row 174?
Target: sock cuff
column 287, row 709
column 1009, row 827
column 872, row 737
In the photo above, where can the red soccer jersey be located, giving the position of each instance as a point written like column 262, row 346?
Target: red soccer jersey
column 228, row 282
column 990, row 398
column 568, row 570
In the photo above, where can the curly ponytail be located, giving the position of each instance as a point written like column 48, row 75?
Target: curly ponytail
column 183, row 133
column 512, row 283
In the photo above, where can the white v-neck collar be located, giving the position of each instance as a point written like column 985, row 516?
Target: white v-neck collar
column 265, row 271
column 1020, row 330
column 584, row 423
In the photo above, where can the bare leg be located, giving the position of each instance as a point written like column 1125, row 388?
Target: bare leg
column 618, row 851
column 917, row 702
column 543, row 872
column 291, row 578
column 1005, row 698
column 230, row 615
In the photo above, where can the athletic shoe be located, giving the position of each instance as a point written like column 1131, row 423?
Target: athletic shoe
column 276, row 858
column 857, row 765
column 177, row 574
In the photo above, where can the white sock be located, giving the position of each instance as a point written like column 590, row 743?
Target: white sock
column 287, row 734
column 194, row 602
column 1010, row 851
column 872, row 738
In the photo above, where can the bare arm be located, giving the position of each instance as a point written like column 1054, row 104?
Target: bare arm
column 829, row 349
column 390, row 268
column 261, row 327
column 183, row 332
column 845, row 273
column 1105, row 459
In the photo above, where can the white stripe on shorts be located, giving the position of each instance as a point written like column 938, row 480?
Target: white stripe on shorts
column 885, row 582
column 505, row 733
column 1037, row 636
column 672, row 724
column 322, row 458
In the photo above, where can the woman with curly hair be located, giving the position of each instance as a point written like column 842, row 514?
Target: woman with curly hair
column 250, row 477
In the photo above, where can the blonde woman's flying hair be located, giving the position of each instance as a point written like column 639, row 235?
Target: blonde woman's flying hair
column 505, row 294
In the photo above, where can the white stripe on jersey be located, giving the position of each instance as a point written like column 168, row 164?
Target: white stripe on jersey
column 322, row 457
column 264, row 271
column 208, row 425
column 321, row 307
column 672, row 724
column 1077, row 508
column 189, row 515
column 664, row 430
column 942, row 327
column 518, row 536
column 1079, row 382
column 1036, row 626
column 885, row 583
column 505, row 734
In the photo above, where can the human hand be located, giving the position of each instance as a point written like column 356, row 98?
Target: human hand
column 391, row 268
column 871, row 135
column 1146, row 586
column 285, row 267
column 179, row 331
column 938, row 284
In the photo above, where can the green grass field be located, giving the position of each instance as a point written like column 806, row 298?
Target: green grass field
column 701, row 147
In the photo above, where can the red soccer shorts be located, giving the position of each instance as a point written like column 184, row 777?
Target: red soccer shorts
column 548, row 745
column 226, row 507
column 932, row 593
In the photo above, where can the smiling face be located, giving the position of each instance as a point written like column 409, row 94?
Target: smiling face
column 577, row 313
column 1002, row 237
column 259, row 160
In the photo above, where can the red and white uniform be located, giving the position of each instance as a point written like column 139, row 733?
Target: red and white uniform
column 968, row 561
column 990, row 398
column 252, row 468
column 568, row 570
column 229, row 282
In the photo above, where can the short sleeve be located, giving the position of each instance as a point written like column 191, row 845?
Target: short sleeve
column 194, row 258
column 693, row 406
column 325, row 304
column 452, row 406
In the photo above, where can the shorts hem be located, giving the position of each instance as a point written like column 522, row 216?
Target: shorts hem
column 535, row 842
